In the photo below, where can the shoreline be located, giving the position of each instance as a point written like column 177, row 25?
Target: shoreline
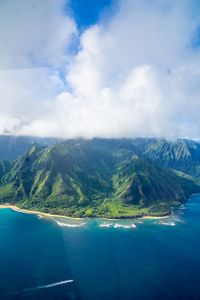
column 53, row 216
column 36, row 212
column 134, row 218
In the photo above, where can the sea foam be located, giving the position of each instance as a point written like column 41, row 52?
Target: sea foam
column 117, row 225
column 168, row 223
column 124, row 226
column 62, row 224
column 106, row 225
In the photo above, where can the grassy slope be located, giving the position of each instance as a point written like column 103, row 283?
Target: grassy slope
column 93, row 178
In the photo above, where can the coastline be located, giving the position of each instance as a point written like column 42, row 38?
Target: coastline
column 52, row 216
column 36, row 212
column 154, row 217
column 136, row 217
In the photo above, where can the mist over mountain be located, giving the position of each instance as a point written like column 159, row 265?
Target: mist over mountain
column 11, row 147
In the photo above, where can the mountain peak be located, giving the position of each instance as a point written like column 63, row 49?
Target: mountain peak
column 110, row 178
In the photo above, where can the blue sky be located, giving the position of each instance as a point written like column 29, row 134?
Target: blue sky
column 87, row 12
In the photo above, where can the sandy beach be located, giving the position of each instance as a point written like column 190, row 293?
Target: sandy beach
column 51, row 216
column 35, row 212
column 154, row 217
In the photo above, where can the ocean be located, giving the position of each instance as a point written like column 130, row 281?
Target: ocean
column 101, row 259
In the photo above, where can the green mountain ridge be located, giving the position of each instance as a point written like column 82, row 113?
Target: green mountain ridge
column 99, row 177
column 5, row 166
column 181, row 155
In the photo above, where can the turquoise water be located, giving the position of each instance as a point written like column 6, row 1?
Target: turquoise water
column 157, row 259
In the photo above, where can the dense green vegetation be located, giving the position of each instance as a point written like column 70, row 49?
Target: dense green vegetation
column 181, row 155
column 5, row 166
column 99, row 177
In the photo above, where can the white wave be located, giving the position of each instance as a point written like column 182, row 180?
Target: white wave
column 124, row 226
column 140, row 222
column 106, row 225
column 176, row 219
column 168, row 223
column 40, row 217
column 132, row 226
column 182, row 207
column 62, row 224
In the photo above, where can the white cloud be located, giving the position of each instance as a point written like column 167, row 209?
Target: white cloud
column 26, row 95
column 35, row 37
column 135, row 74
column 34, row 32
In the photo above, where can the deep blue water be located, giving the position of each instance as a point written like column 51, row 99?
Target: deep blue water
column 159, row 259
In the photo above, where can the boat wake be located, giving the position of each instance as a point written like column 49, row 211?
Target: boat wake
column 46, row 286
